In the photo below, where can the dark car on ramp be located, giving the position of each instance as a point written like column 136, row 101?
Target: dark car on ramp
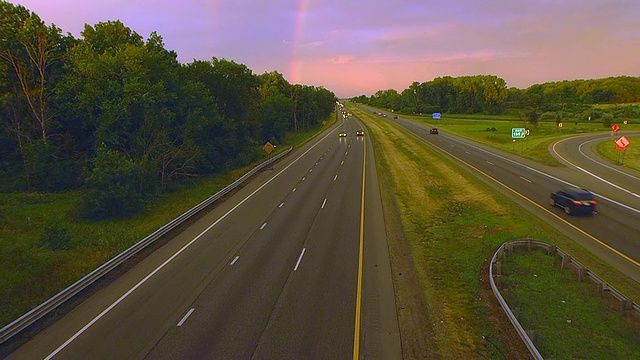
column 433, row 131
column 575, row 201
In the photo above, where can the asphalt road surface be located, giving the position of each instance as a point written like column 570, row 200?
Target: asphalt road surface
column 294, row 265
column 613, row 234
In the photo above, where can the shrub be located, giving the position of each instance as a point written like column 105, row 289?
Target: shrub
column 56, row 237
column 119, row 187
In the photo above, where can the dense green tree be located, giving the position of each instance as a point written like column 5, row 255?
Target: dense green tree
column 276, row 113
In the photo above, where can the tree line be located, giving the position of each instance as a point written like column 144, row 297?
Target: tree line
column 119, row 116
column 489, row 94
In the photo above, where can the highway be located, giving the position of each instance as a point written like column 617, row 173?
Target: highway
column 293, row 265
column 613, row 234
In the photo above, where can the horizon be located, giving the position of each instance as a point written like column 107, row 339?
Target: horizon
column 361, row 47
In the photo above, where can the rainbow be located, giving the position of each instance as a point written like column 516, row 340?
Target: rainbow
column 294, row 70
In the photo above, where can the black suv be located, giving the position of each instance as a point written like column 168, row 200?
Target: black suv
column 575, row 201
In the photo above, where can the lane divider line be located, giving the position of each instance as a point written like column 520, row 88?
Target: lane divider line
column 234, row 260
column 186, row 317
column 263, row 225
column 299, row 259
column 323, row 203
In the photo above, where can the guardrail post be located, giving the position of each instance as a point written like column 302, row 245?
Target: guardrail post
column 602, row 287
column 625, row 305
column 566, row 259
column 581, row 273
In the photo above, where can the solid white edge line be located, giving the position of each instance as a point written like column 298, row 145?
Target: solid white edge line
column 299, row 259
column 146, row 278
column 234, row 260
column 186, row 317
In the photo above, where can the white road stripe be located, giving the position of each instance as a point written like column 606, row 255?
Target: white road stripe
column 234, row 260
column 468, row 153
column 335, row 177
column 185, row 317
column 299, row 259
column 525, row 179
column 323, row 203
column 489, row 162
column 281, row 205
column 294, row 190
column 263, row 225
column 304, row 178
column 342, row 163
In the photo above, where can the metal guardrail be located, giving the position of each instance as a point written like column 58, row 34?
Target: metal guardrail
column 41, row 310
column 582, row 271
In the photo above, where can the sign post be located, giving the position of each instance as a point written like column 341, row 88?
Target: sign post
column 621, row 145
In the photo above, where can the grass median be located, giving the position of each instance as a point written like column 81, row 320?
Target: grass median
column 451, row 223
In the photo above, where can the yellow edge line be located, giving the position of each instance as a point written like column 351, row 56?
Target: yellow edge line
column 615, row 251
column 560, row 156
column 356, row 335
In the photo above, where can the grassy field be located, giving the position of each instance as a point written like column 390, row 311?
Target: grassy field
column 629, row 158
column 495, row 131
column 570, row 320
column 451, row 223
column 31, row 272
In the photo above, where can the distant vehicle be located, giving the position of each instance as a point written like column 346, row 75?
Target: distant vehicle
column 360, row 133
column 433, row 131
column 395, row 116
column 575, row 201
column 342, row 134
column 384, row 115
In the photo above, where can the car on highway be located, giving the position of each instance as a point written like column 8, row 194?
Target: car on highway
column 575, row 201
column 360, row 133
column 433, row 131
column 342, row 134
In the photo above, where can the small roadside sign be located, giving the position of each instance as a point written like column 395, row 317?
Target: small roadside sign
column 436, row 115
column 518, row 133
column 615, row 127
column 623, row 142
column 268, row 148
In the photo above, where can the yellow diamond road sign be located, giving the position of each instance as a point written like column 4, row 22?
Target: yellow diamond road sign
column 268, row 148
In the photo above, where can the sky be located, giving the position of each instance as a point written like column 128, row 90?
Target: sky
column 357, row 47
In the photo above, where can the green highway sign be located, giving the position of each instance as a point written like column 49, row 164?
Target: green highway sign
column 518, row 133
